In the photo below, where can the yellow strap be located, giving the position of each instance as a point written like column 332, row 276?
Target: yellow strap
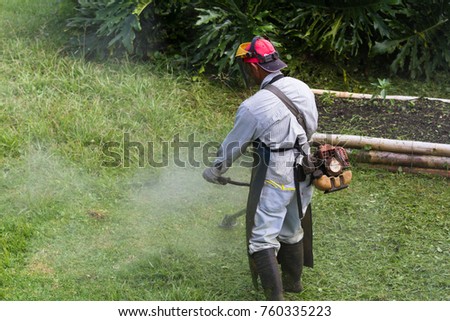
column 279, row 186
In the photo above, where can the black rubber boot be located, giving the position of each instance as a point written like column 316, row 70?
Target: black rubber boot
column 291, row 258
column 267, row 268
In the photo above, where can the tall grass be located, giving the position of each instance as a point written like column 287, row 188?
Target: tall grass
column 71, row 229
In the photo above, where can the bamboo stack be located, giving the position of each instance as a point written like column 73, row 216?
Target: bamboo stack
column 345, row 94
column 390, row 154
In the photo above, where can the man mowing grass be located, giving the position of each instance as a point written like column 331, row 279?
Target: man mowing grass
column 278, row 215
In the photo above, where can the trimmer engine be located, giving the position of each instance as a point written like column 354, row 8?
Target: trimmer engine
column 332, row 173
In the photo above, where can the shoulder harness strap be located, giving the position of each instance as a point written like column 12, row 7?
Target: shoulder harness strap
column 289, row 104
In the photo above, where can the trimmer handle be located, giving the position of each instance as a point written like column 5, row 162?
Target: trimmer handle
column 226, row 180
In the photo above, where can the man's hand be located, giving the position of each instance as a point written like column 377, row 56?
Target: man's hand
column 212, row 175
column 309, row 164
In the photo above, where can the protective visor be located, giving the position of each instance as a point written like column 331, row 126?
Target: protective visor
column 246, row 73
column 246, row 54
column 242, row 52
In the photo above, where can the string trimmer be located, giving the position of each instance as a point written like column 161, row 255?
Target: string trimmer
column 230, row 221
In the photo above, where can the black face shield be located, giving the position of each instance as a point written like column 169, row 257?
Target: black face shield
column 246, row 72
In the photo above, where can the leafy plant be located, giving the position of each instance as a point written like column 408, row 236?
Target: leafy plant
column 140, row 6
column 382, row 86
column 139, row 28
column 327, row 98
column 341, row 27
column 167, row 27
column 104, row 28
column 419, row 42
column 223, row 25
column 407, row 35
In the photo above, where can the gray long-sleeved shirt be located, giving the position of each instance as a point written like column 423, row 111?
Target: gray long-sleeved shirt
column 264, row 116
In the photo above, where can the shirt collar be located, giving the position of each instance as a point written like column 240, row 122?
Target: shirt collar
column 269, row 77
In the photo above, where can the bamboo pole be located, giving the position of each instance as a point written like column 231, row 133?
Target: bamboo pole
column 397, row 159
column 412, row 170
column 345, row 94
column 382, row 144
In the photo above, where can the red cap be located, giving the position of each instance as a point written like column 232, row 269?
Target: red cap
column 264, row 54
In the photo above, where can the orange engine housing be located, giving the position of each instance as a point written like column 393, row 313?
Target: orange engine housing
column 332, row 165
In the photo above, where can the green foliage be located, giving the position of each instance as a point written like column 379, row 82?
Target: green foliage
column 134, row 27
column 409, row 36
column 167, row 26
column 223, row 25
column 103, row 28
column 419, row 40
column 341, row 27
column 140, row 6
column 382, row 86
column 327, row 98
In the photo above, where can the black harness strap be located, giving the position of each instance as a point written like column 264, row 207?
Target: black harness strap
column 273, row 80
column 269, row 84
column 289, row 104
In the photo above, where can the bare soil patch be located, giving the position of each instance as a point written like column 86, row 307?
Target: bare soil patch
column 420, row 120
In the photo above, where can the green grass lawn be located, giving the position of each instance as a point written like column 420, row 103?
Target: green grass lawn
column 72, row 229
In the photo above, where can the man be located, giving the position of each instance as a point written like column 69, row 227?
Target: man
column 274, row 226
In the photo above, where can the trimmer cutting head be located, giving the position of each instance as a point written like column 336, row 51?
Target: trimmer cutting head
column 230, row 221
